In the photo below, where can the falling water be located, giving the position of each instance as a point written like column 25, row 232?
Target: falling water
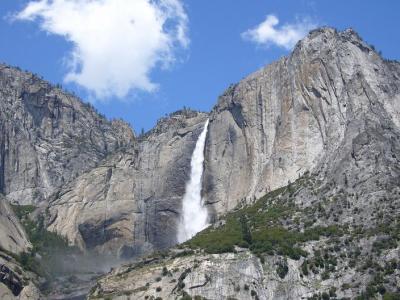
column 194, row 214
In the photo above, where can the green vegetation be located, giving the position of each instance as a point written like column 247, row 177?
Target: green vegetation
column 22, row 211
column 383, row 244
column 259, row 227
column 186, row 296
column 304, row 268
column 321, row 262
column 43, row 241
column 282, row 269
column 43, row 259
column 391, row 296
column 183, row 253
column 165, row 272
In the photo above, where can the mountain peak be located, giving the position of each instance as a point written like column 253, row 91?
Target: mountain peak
column 329, row 39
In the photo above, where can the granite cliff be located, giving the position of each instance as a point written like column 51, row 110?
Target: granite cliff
column 48, row 137
column 317, row 132
column 290, row 117
column 130, row 204
column 15, row 282
column 12, row 235
column 293, row 115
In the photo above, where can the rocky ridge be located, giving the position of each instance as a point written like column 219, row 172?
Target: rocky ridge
column 48, row 137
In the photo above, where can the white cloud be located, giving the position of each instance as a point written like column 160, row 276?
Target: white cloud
column 286, row 36
column 116, row 43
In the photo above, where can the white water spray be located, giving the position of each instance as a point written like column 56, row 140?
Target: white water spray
column 194, row 214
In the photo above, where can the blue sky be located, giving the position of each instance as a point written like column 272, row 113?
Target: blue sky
column 191, row 71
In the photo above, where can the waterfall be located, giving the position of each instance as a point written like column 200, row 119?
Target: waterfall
column 194, row 214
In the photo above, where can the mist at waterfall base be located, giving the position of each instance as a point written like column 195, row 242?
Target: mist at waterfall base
column 194, row 214
column 70, row 274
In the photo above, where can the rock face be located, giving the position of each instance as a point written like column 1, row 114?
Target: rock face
column 333, row 95
column 15, row 282
column 12, row 236
column 11, row 280
column 218, row 276
column 48, row 137
column 230, row 276
column 330, row 109
column 131, row 203
column 101, row 187
column 294, row 114
column 329, row 113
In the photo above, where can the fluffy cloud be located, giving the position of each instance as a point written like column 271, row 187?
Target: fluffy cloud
column 285, row 36
column 116, row 43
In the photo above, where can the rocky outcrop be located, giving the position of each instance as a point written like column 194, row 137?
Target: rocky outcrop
column 48, row 137
column 239, row 276
column 11, row 280
column 293, row 115
column 218, row 276
column 15, row 282
column 12, row 236
column 131, row 203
